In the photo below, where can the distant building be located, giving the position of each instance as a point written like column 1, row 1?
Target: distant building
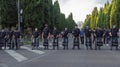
column 80, row 24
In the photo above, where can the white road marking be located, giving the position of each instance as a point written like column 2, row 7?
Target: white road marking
column 3, row 65
column 41, row 46
column 16, row 55
column 34, row 51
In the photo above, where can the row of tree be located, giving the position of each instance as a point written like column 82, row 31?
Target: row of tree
column 106, row 17
column 36, row 13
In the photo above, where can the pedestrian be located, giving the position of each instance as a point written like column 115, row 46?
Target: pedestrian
column 88, row 37
column 65, row 38
column 114, row 37
column 99, row 38
column 82, row 36
column 2, row 38
column 55, row 38
column 16, row 39
column 45, row 36
column 35, row 38
column 76, row 35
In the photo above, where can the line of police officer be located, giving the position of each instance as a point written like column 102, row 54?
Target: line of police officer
column 100, row 36
column 9, row 38
column 96, row 37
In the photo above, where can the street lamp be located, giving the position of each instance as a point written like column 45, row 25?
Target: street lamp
column 18, row 15
column 20, row 11
column 21, row 18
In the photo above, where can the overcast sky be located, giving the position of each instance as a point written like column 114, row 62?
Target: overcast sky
column 80, row 8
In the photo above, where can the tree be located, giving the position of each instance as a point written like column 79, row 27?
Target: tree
column 57, row 13
column 107, row 21
column 8, row 13
column 87, row 21
column 36, row 13
column 107, row 16
column 63, row 23
column 100, row 19
column 93, row 23
column 70, row 22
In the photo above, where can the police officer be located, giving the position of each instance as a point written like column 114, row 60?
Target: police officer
column 106, row 36
column 45, row 36
column 65, row 38
column 82, row 36
column 16, row 37
column 119, row 36
column 55, row 38
column 114, row 37
column 76, row 35
column 6, row 38
column 2, row 38
column 9, row 35
column 35, row 38
column 99, row 37
column 88, row 37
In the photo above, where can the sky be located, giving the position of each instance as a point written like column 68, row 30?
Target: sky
column 80, row 8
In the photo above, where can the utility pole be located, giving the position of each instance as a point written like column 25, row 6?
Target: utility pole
column 18, row 15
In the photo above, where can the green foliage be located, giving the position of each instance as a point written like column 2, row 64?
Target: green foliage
column 87, row 21
column 94, row 18
column 106, row 17
column 36, row 13
column 100, row 18
column 115, row 13
column 70, row 22
column 8, row 12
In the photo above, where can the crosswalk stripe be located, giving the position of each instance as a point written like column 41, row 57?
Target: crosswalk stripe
column 41, row 46
column 16, row 55
column 35, row 51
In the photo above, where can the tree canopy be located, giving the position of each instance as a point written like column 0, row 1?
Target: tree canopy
column 106, row 17
column 36, row 13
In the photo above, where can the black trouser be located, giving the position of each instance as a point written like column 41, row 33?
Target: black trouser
column 82, row 39
column 55, row 42
column 114, row 42
column 14, row 43
column 36, row 42
column 94, row 39
column 6, row 41
column 107, row 38
column 9, row 43
column 2, row 43
column 17, row 43
column 98, row 42
column 65, row 42
column 104, row 39
column 45, row 43
column 88, row 42
column 76, row 43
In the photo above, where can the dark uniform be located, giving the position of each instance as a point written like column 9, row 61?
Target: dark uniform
column 106, row 36
column 9, row 36
column 99, row 37
column 55, row 39
column 76, row 33
column 65, row 39
column 88, row 38
column 114, row 38
column 82, row 36
column 2, row 39
column 15, row 40
column 35, row 44
column 46, row 32
column 6, row 39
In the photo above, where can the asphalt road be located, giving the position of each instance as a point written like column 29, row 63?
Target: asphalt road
column 25, row 57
